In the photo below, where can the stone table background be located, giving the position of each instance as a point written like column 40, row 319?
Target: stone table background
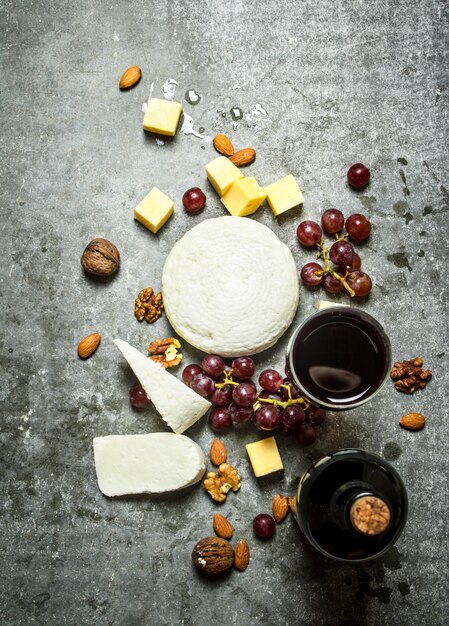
column 320, row 85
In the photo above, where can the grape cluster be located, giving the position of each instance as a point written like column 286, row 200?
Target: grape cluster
column 279, row 405
column 347, row 273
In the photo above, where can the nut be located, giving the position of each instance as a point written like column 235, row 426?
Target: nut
column 413, row 421
column 230, row 476
column 280, row 508
column 241, row 555
column 130, row 77
column 409, row 375
column 148, row 305
column 100, row 258
column 217, row 452
column 243, row 157
column 223, row 145
column 165, row 352
column 88, row 345
column 213, row 556
column 218, row 485
column 292, row 504
column 223, row 526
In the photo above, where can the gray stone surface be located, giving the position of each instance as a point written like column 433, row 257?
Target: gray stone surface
column 321, row 85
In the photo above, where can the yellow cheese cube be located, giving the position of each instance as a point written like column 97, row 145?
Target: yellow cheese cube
column 221, row 173
column 244, row 197
column 283, row 195
column 154, row 210
column 162, row 116
column 264, row 456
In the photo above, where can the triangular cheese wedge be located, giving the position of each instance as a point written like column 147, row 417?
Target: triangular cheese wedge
column 179, row 406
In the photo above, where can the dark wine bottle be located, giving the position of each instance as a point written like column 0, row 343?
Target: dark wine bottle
column 351, row 505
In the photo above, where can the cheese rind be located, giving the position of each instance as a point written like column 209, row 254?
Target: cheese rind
column 221, row 173
column 162, row 116
column 244, row 197
column 284, row 194
column 264, row 456
column 153, row 463
column 179, row 406
column 154, row 210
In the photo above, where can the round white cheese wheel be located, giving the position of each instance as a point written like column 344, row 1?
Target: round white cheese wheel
column 230, row 286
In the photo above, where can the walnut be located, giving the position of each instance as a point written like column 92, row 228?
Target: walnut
column 165, row 352
column 231, row 477
column 409, row 375
column 148, row 305
column 218, row 485
column 100, row 258
column 212, row 484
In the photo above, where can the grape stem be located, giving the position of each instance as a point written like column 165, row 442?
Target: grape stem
column 323, row 254
column 228, row 380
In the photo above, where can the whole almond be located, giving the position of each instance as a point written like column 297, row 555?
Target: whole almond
column 243, row 157
column 413, row 421
column 130, row 77
column 223, row 526
column 223, row 145
column 217, row 452
column 292, row 504
column 241, row 555
column 88, row 345
column 280, row 508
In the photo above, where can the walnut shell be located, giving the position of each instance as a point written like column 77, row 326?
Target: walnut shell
column 213, row 556
column 100, row 258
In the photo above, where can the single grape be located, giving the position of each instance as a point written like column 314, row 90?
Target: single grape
column 292, row 417
column 358, row 176
column 360, row 282
column 358, row 226
column 268, row 417
column 240, row 414
column 309, row 233
column 244, row 394
column 189, row 373
column 194, row 200
column 270, row 380
column 332, row 221
column 243, row 367
column 219, row 419
column 331, row 284
column 294, row 392
column 213, row 365
column 138, row 397
column 264, row 525
column 317, row 415
column 312, row 274
column 203, row 385
column 221, row 396
column 341, row 252
column 305, row 435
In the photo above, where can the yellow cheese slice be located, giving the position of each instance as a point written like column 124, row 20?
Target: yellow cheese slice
column 264, row 456
column 221, row 173
column 154, row 210
column 162, row 116
column 244, row 197
column 284, row 194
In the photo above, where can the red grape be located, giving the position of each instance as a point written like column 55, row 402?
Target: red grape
column 240, row 414
column 270, row 380
column 243, row 367
column 341, row 253
column 213, row 365
column 317, row 415
column 360, row 282
column 264, row 526
column 358, row 176
column 189, row 373
column 294, row 392
column 203, row 385
column 194, row 200
column 305, row 435
column 221, row 397
column 358, row 226
column 138, row 397
column 331, row 284
column 309, row 233
column 244, row 394
column 272, row 395
column 312, row 274
column 268, row 417
column 292, row 417
column 332, row 221
column 220, row 419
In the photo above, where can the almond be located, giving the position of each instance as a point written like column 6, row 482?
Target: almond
column 241, row 555
column 413, row 421
column 223, row 145
column 88, row 345
column 243, row 157
column 292, row 504
column 223, row 526
column 217, row 452
column 280, row 508
column 130, row 77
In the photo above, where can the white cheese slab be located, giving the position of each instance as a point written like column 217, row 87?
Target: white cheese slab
column 153, row 463
column 180, row 407
column 230, row 286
